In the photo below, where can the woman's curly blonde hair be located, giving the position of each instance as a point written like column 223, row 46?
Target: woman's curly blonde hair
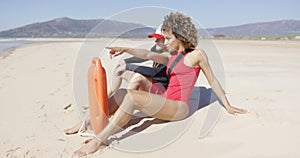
column 182, row 27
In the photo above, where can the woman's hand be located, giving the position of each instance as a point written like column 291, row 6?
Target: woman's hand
column 116, row 51
column 234, row 110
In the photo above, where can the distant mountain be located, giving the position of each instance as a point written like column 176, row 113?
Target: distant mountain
column 66, row 27
column 264, row 28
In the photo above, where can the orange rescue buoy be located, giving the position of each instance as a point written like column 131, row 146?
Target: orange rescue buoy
column 98, row 99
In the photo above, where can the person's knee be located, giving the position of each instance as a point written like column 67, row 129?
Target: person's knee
column 137, row 82
column 137, row 79
column 182, row 112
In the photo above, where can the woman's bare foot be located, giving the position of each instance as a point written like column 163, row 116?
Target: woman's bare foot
column 89, row 146
column 75, row 129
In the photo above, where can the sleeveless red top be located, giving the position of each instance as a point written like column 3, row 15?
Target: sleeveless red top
column 182, row 80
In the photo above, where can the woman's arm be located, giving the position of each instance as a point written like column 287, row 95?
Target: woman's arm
column 215, row 85
column 161, row 58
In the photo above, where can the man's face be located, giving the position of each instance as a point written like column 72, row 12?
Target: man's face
column 160, row 44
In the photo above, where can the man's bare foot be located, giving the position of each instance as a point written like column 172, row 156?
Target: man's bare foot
column 75, row 129
column 89, row 146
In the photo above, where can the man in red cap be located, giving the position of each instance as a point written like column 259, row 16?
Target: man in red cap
column 135, row 74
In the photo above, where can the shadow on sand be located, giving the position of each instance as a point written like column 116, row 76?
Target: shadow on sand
column 200, row 98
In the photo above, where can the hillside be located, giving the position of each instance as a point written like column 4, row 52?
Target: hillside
column 66, row 27
column 281, row 27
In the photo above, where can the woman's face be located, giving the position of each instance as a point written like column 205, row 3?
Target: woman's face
column 171, row 42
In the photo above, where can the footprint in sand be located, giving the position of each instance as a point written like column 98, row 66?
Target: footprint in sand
column 10, row 152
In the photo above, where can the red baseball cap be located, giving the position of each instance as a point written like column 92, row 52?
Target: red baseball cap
column 157, row 33
column 154, row 35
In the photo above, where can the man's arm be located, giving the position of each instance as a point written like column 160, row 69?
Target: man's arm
column 140, row 53
column 134, row 60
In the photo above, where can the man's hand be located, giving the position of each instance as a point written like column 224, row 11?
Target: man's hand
column 116, row 51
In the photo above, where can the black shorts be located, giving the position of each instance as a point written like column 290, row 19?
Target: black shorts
column 162, row 80
column 157, row 74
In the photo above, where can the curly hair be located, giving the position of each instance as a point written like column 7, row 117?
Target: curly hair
column 182, row 27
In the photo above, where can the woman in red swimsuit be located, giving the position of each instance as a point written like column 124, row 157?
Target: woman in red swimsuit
column 181, row 40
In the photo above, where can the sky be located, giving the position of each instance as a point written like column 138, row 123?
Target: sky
column 209, row 13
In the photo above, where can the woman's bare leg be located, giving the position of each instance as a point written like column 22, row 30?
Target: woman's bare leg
column 135, row 81
column 113, row 106
column 113, row 86
column 150, row 104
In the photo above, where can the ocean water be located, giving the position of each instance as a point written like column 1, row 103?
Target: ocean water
column 9, row 44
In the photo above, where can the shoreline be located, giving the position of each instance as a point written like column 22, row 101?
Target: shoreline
column 24, row 42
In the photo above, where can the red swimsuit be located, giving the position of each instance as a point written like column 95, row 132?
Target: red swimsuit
column 182, row 80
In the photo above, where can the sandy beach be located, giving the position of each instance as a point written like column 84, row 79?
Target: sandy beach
column 37, row 104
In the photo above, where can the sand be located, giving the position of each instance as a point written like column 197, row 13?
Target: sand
column 261, row 76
